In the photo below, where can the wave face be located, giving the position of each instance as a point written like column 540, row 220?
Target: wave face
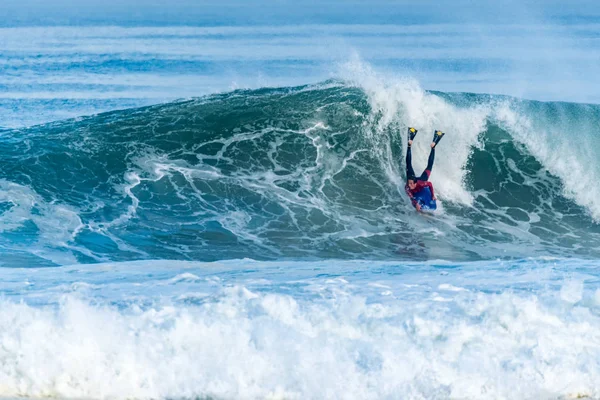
column 304, row 172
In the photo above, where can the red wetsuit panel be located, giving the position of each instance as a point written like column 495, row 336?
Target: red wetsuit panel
column 419, row 186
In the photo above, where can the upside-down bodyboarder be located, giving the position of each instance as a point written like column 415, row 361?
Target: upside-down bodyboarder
column 420, row 190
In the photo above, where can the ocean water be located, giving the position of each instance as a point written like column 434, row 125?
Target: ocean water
column 197, row 205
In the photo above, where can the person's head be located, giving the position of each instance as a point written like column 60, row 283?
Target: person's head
column 412, row 182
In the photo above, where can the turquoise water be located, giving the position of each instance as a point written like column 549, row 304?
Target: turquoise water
column 309, row 172
column 213, row 207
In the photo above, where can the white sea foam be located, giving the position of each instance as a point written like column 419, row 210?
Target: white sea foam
column 547, row 131
column 249, row 345
column 402, row 101
column 319, row 338
column 54, row 225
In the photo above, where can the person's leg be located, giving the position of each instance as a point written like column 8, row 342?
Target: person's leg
column 409, row 169
column 427, row 172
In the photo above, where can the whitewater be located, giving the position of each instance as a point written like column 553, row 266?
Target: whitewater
column 177, row 222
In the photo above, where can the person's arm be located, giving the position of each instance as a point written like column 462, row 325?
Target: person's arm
column 410, row 196
column 430, row 186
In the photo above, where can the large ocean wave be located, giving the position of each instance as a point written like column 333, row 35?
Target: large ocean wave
column 307, row 172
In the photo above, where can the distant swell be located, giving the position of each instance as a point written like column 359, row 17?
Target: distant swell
column 307, row 172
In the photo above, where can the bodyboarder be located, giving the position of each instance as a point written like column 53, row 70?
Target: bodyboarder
column 419, row 189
